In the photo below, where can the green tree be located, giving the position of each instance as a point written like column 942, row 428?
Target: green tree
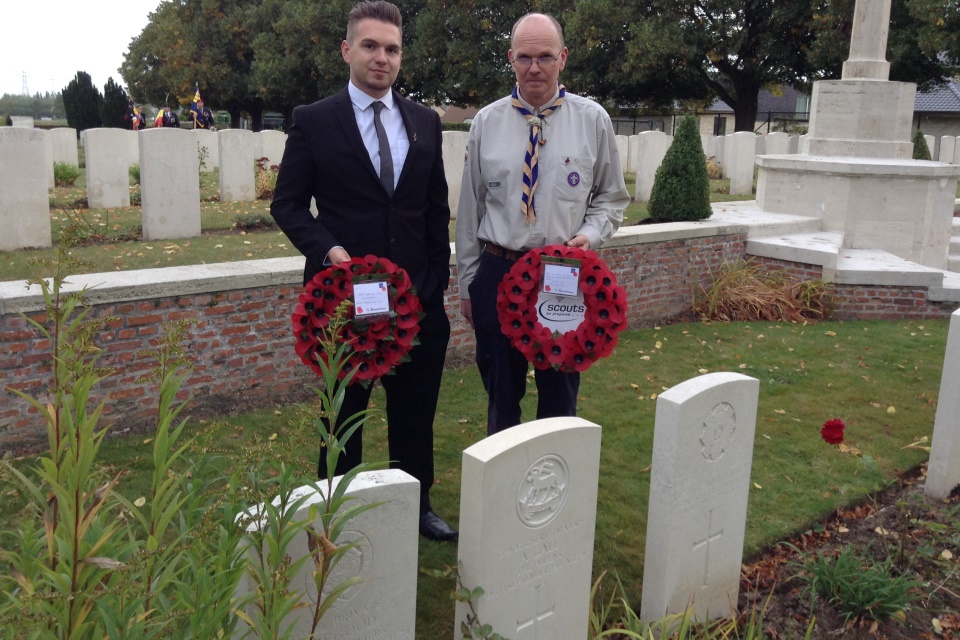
column 205, row 42
column 681, row 189
column 296, row 51
column 458, row 51
column 114, row 106
column 81, row 101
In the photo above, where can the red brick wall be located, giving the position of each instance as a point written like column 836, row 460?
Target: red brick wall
column 242, row 348
column 868, row 302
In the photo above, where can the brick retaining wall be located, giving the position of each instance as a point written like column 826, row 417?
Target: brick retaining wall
column 241, row 345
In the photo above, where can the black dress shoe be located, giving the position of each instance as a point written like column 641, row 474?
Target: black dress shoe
column 433, row 527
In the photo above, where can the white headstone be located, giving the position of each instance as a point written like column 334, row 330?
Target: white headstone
column 133, row 146
column 943, row 470
column 719, row 149
column 948, row 145
column 270, row 146
column 931, row 145
column 384, row 603
column 108, row 162
column 700, row 479
column 623, row 147
column 22, row 122
column 739, row 155
column 24, row 200
column 169, row 184
column 528, row 505
column 956, row 151
column 794, row 146
column 651, row 148
column 48, row 158
column 630, row 164
column 64, row 142
column 209, row 149
column 237, row 154
column 454, row 154
column 761, row 146
column 778, row 143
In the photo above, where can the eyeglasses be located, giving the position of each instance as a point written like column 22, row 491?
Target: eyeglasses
column 544, row 62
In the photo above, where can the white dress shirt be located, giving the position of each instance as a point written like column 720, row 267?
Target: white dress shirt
column 392, row 124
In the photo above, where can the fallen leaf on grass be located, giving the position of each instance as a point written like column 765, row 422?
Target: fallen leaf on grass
column 891, row 409
column 273, row 436
column 918, row 444
column 463, row 421
column 881, row 531
column 830, row 333
column 842, row 529
column 757, row 486
column 780, row 411
column 946, row 554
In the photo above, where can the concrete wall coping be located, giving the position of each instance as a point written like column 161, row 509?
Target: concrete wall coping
column 125, row 286
column 862, row 167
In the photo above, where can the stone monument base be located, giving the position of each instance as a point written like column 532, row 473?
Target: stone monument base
column 861, row 118
column 904, row 207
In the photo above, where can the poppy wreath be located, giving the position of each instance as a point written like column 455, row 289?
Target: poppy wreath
column 378, row 345
column 577, row 349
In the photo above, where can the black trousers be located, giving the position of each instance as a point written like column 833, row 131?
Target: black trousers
column 412, row 392
column 503, row 368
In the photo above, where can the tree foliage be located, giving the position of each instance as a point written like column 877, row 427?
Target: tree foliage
column 681, row 189
column 251, row 54
column 81, row 101
column 114, row 106
column 37, row 106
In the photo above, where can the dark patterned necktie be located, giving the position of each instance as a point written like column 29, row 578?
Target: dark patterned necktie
column 386, row 158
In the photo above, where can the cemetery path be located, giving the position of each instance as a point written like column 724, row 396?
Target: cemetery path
column 917, row 537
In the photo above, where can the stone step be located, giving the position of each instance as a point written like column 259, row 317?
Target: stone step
column 761, row 223
column 846, row 266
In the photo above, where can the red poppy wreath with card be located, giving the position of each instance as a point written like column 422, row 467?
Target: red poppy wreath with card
column 593, row 308
column 378, row 342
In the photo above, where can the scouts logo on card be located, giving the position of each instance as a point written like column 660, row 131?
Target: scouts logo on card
column 573, row 179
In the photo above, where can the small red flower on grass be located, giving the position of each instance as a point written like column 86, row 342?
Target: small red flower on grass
column 832, row 431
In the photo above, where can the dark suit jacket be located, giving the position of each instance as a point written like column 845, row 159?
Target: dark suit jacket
column 325, row 158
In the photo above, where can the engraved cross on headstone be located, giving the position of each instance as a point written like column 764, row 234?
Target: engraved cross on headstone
column 538, row 616
column 711, row 537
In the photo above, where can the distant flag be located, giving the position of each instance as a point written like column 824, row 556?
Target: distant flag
column 194, row 109
column 156, row 122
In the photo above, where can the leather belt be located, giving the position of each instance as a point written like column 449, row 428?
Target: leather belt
column 500, row 252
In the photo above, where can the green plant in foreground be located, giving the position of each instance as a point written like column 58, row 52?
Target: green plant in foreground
column 612, row 617
column 134, row 172
column 858, row 588
column 65, row 174
column 89, row 562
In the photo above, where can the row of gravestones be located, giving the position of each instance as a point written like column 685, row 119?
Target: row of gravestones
column 169, row 161
column 528, row 505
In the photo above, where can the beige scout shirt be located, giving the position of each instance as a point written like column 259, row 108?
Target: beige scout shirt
column 580, row 186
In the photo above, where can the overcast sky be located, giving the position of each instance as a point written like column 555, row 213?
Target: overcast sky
column 50, row 40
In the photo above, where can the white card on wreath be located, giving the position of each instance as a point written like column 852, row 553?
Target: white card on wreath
column 561, row 279
column 560, row 313
column 370, row 298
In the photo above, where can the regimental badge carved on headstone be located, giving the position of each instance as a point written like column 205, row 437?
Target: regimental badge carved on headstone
column 355, row 562
column 542, row 491
column 718, row 431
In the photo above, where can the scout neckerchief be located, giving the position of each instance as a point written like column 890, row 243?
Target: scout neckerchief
column 536, row 121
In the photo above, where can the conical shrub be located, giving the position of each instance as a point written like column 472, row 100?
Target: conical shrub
column 681, row 189
column 921, row 150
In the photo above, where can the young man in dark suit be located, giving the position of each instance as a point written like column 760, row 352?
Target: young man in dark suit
column 371, row 159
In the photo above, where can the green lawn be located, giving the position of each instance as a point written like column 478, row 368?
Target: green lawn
column 881, row 378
